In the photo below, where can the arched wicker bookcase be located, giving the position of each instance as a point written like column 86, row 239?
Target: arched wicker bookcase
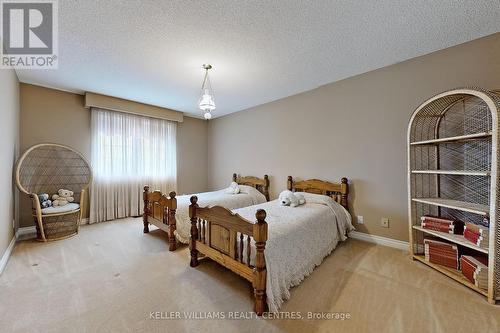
column 453, row 161
column 46, row 168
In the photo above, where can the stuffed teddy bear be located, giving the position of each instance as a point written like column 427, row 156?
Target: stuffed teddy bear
column 63, row 197
column 45, row 202
column 288, row 198
column 234, row 188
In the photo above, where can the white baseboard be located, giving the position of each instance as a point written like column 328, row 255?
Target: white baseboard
column 26, row 232
column 379, row 240
column 6, row 255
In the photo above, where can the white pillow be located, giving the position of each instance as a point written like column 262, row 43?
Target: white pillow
column 318, row 198
column 254, row 194
column 247, row 189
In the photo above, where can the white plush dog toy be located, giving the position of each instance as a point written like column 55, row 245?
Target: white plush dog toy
column 63, row 197
column 234, row 188
column 288, row 198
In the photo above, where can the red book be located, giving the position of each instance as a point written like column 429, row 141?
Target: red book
column 467, row 262
column 480, row 237
column 439, row 244
column 482, row 258
column 479, row 229
column 437, row 224
column 428, row 218
column 471, row 236
column 442, row 251
column 453, row 259
column 467, row 270
column 443, row 256
column 477, row 262
column 449, row 262
column 440, row 229
column 474, row 269
column 446, row 263
column 451, row 254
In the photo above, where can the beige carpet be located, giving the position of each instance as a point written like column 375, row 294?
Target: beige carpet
column 111, row 276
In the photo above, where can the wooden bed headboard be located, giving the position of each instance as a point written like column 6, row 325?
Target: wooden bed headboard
column 338, row 191
column 261, row 184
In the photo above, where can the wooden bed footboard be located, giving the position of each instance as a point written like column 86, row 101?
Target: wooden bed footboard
column 160, row 211
column 226, row 238
column 221, row 235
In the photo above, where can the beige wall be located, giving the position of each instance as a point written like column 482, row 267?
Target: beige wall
column 9, row 151
column 192, row 156
column 354, row 128
column 49, row 115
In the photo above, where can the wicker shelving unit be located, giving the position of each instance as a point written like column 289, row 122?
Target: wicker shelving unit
column 453, row 164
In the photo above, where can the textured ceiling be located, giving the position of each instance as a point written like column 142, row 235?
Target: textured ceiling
column 152, row 51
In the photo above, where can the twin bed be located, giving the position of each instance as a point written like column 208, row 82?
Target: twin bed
column 171, row 213
column 273, row 246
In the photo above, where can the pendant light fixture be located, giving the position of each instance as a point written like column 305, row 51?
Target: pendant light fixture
column 207, row 99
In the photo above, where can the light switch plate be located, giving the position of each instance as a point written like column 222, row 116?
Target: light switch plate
column 360, row 219
column 384, row 222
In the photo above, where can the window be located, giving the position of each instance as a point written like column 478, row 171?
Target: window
column 128, row 152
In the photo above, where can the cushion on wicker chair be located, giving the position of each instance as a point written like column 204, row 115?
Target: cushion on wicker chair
column 61, row 209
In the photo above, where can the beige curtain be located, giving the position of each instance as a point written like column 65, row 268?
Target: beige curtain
column 128, row 152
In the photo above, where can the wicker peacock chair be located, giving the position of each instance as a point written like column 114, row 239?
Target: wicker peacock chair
column 46, row 168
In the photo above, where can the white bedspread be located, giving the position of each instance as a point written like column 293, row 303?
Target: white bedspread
column 299, row 238
column 249, row 196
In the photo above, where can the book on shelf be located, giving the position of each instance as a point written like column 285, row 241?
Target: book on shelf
column 438, row 243
column 440, row 229
column 476, row 228
column 441, row 253
column 477, row 234
column 435, row 219
column 475, row 238
column 475, row 270
column 441, row 224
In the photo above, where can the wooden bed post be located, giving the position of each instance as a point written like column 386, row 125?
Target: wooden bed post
column 259, row 280
column 266, row 187
column 145, row 213
column 345, row 190
column 289, row 183
column 194, row 231
column 171, row 222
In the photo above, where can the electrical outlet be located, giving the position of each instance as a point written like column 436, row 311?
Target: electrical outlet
column 384, row 222
column 359, row 219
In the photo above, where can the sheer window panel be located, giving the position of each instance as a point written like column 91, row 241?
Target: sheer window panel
column 128, row 152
